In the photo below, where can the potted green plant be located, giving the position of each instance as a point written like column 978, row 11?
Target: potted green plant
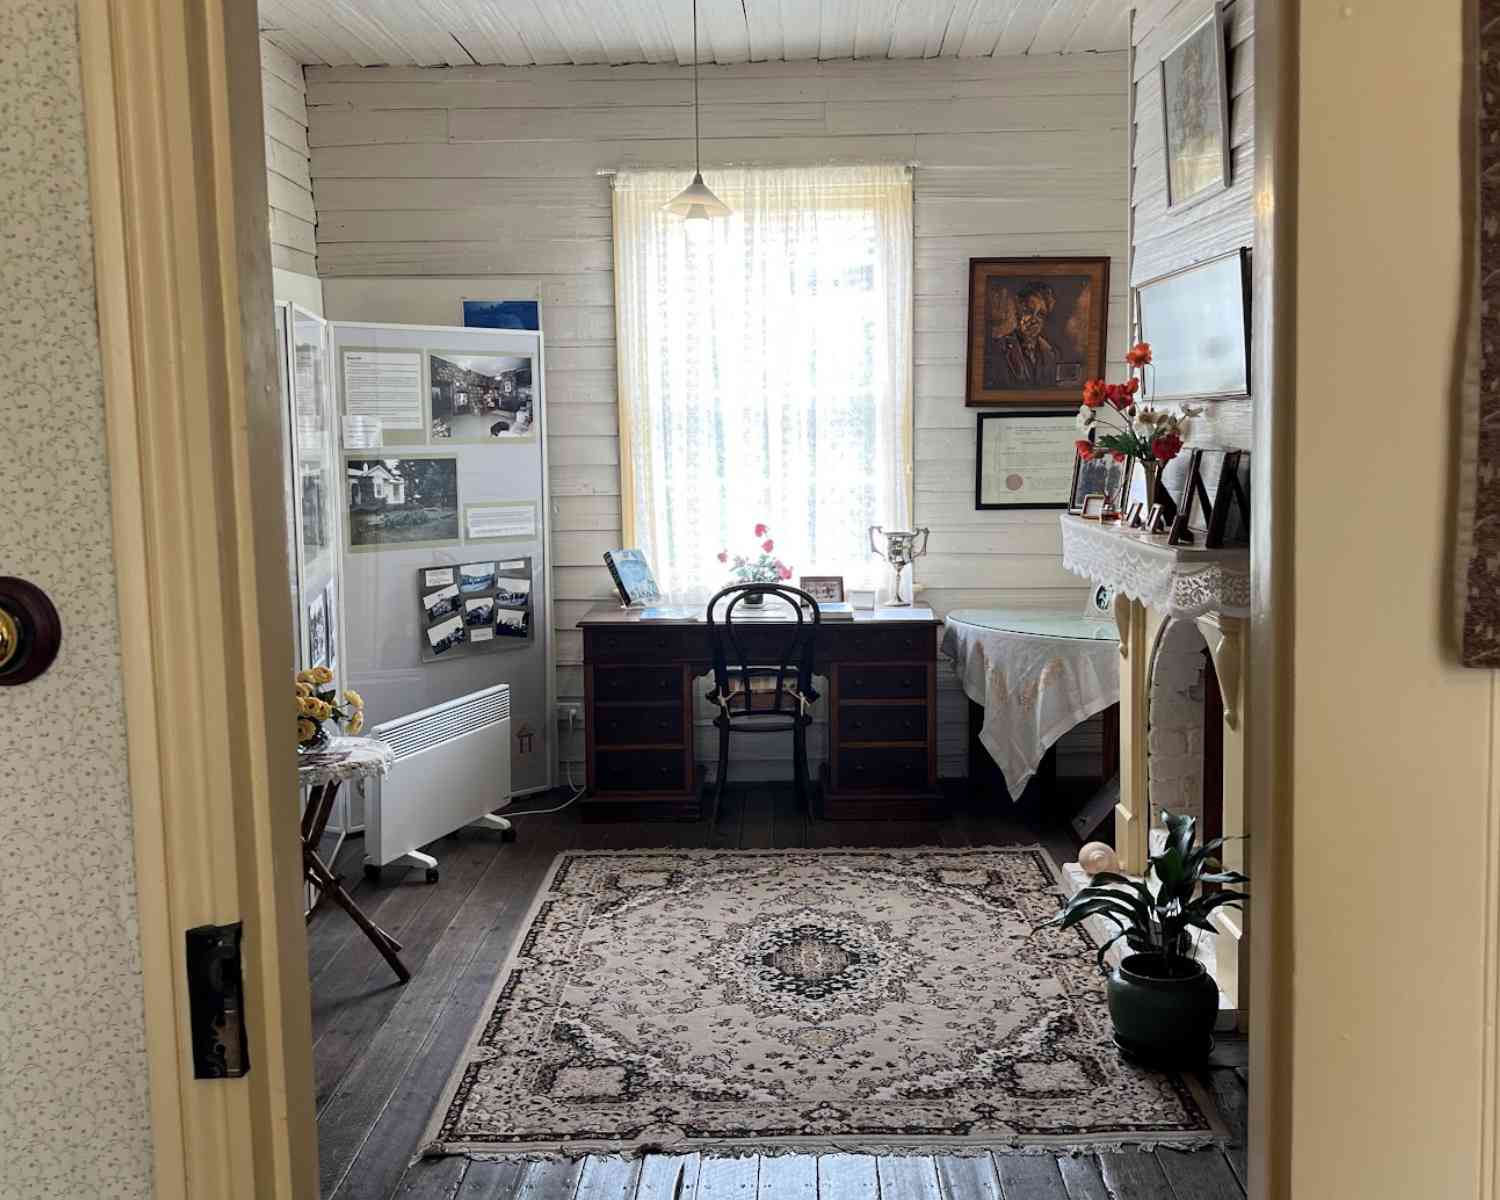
column 1162, row 1001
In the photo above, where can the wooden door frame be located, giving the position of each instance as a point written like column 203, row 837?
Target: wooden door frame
column 172, row 108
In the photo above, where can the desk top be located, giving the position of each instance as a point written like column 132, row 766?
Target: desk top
column 612, row 615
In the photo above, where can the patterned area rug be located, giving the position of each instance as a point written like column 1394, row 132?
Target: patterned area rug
column 858, row 1000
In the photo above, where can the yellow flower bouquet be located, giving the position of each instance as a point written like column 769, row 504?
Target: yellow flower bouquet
column 319, row 704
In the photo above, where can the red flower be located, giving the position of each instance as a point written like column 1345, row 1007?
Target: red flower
column 1093, row 393
column 783, row 572
column 1139, row 354
column 1165, row 448
column 1118, row 455
column 768, row 545
column 723, row 555
column 760, row 530
column 1084, row 447
column 1131, row 386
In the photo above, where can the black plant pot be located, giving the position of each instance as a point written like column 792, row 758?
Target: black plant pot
column 1163, row 1010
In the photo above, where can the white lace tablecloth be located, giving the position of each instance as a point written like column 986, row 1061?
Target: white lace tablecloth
column 344, row 758
column 1184, row 581
column 1037, row 676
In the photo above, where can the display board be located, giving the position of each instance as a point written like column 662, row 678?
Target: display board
column 444, row 487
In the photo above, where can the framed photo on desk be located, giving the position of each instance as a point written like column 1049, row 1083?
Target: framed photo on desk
column 1024, row 458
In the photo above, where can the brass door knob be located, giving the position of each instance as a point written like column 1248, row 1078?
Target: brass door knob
column 30, row 631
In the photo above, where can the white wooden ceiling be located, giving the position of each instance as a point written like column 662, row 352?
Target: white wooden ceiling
column 546, row 32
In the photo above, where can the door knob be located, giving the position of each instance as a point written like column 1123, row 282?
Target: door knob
column 30, row 631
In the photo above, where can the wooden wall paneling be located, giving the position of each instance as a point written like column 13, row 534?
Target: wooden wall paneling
column 1016, row 156
column 1162, row 241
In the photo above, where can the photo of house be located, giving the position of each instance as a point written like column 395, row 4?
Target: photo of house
column 402, row 500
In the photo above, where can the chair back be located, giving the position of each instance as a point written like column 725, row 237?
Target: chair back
column 779, row 651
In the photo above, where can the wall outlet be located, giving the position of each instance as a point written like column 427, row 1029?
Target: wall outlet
column 569, row 714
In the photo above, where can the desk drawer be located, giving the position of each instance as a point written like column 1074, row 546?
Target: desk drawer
column 644, row 643
column 640, row 770
column 879, row 770
column 849, row 642
column 882, row 723
column 883, row 682
column 637, row 683
column 619, row 725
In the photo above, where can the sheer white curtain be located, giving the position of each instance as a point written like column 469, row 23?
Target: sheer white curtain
column 765, row 370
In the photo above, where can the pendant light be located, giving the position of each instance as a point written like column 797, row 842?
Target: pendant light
column 695, row 202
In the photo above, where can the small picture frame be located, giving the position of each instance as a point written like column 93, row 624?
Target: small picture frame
column 1101, row 601
column 862, row 599
column 1103, row 476
column 1132, row 518
column 825, row 589
column 1093, row 507
column 1216, row 501
column 1156, row 519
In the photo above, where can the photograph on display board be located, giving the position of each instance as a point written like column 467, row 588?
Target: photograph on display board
column 402, row 501
column 512, row 622
column 476, row 577
column 446, row 636
column 441, row 602
column 480, row 611
column 503, row 314
column 317, row 631
column 480, row 397
column 331, row 605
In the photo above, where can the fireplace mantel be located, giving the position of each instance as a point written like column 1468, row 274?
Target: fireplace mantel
column 1178, row 581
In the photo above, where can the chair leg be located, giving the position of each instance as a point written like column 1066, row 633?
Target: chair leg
column 723, row 771
column 799, row 764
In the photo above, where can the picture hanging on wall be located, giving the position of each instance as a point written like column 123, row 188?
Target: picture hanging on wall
column 480, row 397
column 1024, row 459
column 1198, row 323
column 503, row 314
column 317, row 631
column 1037, row 329
column 331, row 606
column 1195, row 114
column 402, row 502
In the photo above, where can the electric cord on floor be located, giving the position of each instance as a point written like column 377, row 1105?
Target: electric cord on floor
column 577, row 791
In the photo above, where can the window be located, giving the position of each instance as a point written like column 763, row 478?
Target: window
column 765, row 370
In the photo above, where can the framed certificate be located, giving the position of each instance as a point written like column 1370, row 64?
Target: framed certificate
column 1024, row 458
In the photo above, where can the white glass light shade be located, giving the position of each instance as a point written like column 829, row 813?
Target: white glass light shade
column 697, row 203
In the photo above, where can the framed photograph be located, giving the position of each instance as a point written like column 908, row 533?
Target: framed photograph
column 401, row 502
column 1216, row 504
column 825, row 589
column 1195, row 114
column 1101, row 601
column 1198, row 323
column 1133, row 515
column 1022, row 459
column 476, row 577
column 1093, row 507
column 503, row 314
column 1102, row 476
column 446, row 636
column 480, row 397
column 317, row 631
column 1037, row 329
column 1156, row 520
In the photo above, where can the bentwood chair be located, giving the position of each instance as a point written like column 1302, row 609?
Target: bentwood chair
column 762, row 680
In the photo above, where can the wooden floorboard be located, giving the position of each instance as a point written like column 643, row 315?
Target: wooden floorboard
column 384, row 1052
column 1233, row 1102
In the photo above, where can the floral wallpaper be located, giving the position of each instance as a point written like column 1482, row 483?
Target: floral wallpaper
column 73, row 1090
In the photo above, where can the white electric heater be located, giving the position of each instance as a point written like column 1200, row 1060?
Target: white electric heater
column 452, row 769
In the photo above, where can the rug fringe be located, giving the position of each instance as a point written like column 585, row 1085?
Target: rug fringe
column 969, row 1149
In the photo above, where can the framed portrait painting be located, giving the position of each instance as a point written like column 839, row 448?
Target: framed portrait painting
column 1037, row 329
column 1195, row 114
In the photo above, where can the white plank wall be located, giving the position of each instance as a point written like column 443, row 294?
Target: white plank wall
column 288, row 184
column 491, row 173
column 1160, row 242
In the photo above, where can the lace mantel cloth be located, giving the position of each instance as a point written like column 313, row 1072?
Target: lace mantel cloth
column 1034, row 686
column 1182, row 581
column 343, row 759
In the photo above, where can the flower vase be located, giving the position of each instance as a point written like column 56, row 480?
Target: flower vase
column 320, row 742
column 755, row 599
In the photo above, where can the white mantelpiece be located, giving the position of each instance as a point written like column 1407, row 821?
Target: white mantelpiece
column 1163, row 594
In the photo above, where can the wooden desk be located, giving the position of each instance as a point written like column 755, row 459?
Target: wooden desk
column 881, row 697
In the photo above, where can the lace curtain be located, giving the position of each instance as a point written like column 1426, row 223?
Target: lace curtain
column 765, row 370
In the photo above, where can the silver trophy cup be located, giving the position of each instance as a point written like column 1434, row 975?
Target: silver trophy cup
column 900, row 549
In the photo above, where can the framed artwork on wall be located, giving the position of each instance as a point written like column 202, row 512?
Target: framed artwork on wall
column 1023, row 459
column 1195, row 114
column 1037, row 329
column 1198, row 323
